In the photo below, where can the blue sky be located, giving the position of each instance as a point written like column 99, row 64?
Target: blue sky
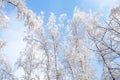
column 14, row 34
column 67, row 6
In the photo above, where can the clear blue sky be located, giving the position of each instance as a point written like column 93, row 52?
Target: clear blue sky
column 67, row 6
column 15, row 33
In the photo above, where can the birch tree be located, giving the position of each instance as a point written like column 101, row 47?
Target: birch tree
column 30, row 62
column 5, row 68
column 39, row 36
column 43, row 56
column 77, row 53
column 23, row 13
column 107, row 42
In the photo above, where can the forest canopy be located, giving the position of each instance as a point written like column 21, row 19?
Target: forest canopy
column 63, row 48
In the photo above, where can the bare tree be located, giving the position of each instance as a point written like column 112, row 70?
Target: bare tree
column 43, row 56
column 77, row 52
column 107, row 42
column 41, row 39
column 5, row 68
column 30, row 62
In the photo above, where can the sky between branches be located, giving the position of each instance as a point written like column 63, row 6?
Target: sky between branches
column 14, row 34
